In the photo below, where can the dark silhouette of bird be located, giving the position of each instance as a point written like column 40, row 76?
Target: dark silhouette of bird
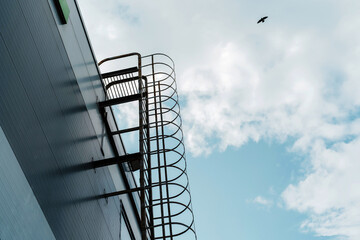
column 262, row 19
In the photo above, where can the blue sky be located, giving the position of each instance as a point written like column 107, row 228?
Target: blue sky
column 227, row 208
column 270, row 111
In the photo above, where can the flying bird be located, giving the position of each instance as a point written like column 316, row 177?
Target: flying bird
column 262, row 19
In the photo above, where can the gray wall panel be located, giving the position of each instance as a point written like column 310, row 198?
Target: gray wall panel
column 90, row 94
column 44, row 115
column 31, row 147
column 25, row 220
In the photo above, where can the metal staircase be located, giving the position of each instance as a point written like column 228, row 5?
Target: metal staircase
column 165, row 210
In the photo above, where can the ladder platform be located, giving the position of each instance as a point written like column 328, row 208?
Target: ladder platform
column 120, row 72
column 120, row 100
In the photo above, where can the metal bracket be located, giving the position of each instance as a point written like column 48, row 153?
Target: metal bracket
column 133, row 159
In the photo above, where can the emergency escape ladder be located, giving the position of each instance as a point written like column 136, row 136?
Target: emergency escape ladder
column 165, row 202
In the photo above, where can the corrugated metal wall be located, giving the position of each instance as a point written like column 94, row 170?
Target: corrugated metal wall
column 49, row 116
column 21, row 216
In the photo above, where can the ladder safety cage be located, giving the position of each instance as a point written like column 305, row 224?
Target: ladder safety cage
column 165, row 200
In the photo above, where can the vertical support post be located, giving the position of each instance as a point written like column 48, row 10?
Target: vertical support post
column 165, row 164
column 150, row 209
column 141, row 150
column 158, row 149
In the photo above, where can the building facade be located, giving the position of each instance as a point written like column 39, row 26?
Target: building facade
column 64, row 170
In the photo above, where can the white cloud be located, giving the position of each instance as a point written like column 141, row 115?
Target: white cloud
column 296, row 76
column 234, row 99
column 330, row 192
column 262, row 201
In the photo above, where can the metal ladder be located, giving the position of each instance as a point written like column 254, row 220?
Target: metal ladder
column 164, row 188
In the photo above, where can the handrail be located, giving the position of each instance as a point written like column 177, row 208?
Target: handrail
column 121, row 56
